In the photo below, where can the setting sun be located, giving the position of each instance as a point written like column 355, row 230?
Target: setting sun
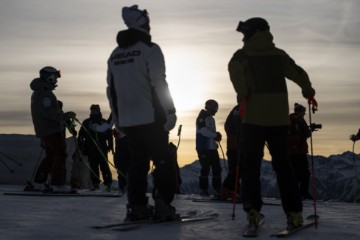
column 186, row 82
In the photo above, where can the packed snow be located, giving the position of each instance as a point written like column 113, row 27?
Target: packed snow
column 34, row 218
column 60, row 217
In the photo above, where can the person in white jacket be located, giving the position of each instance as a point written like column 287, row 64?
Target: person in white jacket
column 144, row 110
column 206, row 147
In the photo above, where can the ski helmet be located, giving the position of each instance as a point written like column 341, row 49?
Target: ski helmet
column 299, row 108
column 50, row 74
column 211, row 106
column 251, row 26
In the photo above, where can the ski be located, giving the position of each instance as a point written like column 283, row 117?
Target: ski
column 119, row 224
column 50, row 194
column 30, row 187
column 131, row 224
column 111, row 225
column 310, row 221
column 252, row 230
column 181, row 220
column 215, row 200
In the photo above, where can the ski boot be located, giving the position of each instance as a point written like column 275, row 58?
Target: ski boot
column 36, row 187
column 253, row 217
column 294, row 220
column 138, row 212
column 204, row 192
column 164, row 212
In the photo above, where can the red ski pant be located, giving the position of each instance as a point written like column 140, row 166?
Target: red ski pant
column 54, row 162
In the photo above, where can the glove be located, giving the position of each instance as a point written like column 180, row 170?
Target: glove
column 70, row 115
column 242, row 108
column 170, row 122
column 218, row 137
column 73, row 132
column 313, row 103
column 353, row 138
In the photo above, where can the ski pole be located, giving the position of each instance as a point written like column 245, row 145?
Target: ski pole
column 176, row 165
column 97, row 146
column 36, row 166
column 10, row 158
column 11, row 170
column 313, row 166
column 236, row 184
column 82, row 156
column 355, row 185
column 222, row 151
column 179, row 135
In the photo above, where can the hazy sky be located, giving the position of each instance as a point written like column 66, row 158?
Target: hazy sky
column 198, row 38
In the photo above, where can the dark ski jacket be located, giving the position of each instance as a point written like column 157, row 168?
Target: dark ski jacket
column 45, row 111
column 232, row 128
column 299, row 132
column 205, row 131
column 90, row 140
column 258, row 72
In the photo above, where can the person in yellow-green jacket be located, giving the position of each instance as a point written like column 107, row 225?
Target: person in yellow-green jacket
column 258, row 72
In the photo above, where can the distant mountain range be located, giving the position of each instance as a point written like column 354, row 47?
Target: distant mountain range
column 337, row 177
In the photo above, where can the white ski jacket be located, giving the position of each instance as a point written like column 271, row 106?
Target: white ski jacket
column 136, row 86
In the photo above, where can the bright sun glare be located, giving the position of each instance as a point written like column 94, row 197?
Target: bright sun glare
column 185, row 78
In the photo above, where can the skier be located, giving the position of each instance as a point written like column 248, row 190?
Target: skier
column 234, row 153
column 206, row 147
column 48, row 120
column 96, row 146
column 143, row 108
column 298, row 148
column 355, row 137
column 258, row 72
column 121, row 154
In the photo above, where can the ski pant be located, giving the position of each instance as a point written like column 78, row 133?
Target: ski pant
column 276, row 138
column 301, row 168
column 54, row 162
column 147, row 142
column 122, row 160
column 209, row 159
column 99, row 159
column 234, row 164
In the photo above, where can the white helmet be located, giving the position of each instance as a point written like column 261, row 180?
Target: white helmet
column 50, row 74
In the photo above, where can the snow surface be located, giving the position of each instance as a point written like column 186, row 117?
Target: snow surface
column 34, row 218
column 25, row 217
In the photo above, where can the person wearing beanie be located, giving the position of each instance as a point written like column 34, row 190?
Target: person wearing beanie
column 49, row 120
column 258, row 72
column 96, row 146
column 142, row 107
column 299, row 132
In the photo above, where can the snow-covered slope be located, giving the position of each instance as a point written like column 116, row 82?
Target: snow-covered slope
column 71, row 218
